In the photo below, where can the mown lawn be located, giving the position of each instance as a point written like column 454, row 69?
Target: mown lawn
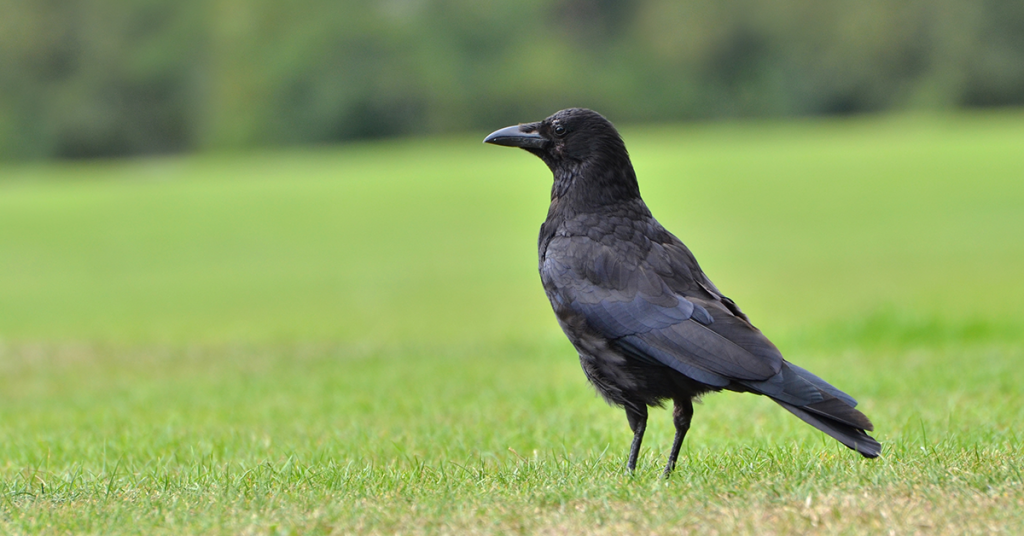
column 354, row 339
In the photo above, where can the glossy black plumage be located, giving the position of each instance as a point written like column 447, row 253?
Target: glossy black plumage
column 649, row 326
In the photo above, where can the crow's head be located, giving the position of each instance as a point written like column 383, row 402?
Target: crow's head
column 581, row 147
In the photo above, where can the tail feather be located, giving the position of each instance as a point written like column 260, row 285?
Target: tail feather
column 822, row 384
column 835, row 409
column 821, row 405
column 852, row 437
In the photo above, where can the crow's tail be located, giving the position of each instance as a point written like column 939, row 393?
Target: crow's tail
column 852, row 436
column 822, row 406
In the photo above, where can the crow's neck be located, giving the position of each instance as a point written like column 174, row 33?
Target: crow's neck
column 613, row 193
column 593, row 187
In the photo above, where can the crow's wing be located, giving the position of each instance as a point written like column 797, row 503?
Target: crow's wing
column 624, row 296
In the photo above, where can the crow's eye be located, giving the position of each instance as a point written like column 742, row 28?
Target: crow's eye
column 559, row 131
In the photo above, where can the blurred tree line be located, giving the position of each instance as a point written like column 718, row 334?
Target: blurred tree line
column 84, row 78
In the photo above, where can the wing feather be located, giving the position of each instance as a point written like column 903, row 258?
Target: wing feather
column 635, row 309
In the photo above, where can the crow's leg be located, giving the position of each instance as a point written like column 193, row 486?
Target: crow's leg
column 681, row 416
column 637, row 416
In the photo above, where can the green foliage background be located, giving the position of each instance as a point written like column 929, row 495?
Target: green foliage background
column 82, row 78
column 353, row 339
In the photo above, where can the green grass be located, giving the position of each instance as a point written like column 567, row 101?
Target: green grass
column 354, row 340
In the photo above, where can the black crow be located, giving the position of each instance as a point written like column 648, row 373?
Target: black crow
column 648, row 324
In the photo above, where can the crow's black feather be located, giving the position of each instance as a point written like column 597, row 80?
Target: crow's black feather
column 647, row 323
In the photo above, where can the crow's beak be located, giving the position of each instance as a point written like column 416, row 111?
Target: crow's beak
column 524, row 136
